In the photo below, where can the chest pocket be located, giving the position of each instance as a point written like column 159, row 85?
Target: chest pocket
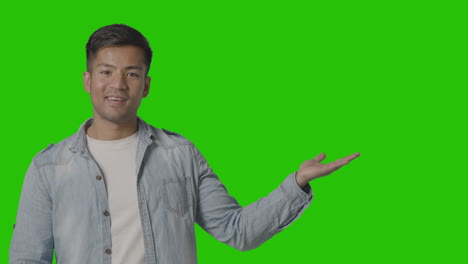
column 176, row 195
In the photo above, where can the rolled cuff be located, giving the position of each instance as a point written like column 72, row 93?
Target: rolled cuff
column 299, row 198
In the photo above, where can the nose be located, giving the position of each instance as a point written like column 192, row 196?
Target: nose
column 118, row 81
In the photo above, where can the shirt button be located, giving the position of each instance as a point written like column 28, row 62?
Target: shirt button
column 98, row 178
column 106, row 213
column 108, row 251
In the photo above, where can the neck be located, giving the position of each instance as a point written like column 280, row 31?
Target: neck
column 107, row 130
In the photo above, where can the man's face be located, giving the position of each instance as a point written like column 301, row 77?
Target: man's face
column 116, row 82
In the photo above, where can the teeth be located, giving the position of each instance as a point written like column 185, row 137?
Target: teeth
column 114, row 98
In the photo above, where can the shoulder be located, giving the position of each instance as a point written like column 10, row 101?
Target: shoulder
column 176, row 137
column 55, row 154
column 51, row 145
column 169, row 139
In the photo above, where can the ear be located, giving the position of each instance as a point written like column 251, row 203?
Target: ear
column 87, row 81
column 147, row 86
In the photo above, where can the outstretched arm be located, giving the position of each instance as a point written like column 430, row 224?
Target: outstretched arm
column 248, row 227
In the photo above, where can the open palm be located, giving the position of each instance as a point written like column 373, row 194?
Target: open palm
column 313, row 169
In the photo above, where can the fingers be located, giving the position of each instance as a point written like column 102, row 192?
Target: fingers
column 349, row 158
column 320, row 157
column 343, row 161
column 352, row 156
column 329, row 167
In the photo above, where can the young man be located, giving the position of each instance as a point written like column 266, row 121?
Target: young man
column 122, row 191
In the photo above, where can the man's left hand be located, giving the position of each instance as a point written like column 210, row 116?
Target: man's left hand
column 313, row 169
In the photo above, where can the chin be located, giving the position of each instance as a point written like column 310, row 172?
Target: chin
column 114, row 116
column 117, row 118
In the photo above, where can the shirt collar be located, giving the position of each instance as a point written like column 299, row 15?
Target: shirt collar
column 80, row 144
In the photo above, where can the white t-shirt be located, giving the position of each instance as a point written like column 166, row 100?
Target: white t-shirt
column 116, row 159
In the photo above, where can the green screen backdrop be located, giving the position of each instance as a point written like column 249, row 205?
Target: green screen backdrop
column 261, row 86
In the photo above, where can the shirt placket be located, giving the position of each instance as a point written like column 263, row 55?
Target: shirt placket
column 104, row 208
column 150, row 250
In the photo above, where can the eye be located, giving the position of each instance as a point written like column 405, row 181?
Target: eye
column 105, row 72
column 132, row 74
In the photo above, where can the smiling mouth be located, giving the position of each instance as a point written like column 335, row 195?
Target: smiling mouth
column 114, row 98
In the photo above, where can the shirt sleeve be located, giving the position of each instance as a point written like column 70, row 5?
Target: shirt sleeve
column 246, row 228
column 32, row 240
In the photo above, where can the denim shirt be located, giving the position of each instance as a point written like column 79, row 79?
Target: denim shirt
column 63, row 204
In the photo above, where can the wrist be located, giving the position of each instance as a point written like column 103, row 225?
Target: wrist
column 300, row 180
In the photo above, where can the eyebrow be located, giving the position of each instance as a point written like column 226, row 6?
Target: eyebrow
column 131, row 67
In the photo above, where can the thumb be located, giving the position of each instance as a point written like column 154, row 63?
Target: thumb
column 320, row 157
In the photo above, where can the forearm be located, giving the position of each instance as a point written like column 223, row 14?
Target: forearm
column 248, row 227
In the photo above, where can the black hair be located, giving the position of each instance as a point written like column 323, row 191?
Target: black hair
column 117, row 35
